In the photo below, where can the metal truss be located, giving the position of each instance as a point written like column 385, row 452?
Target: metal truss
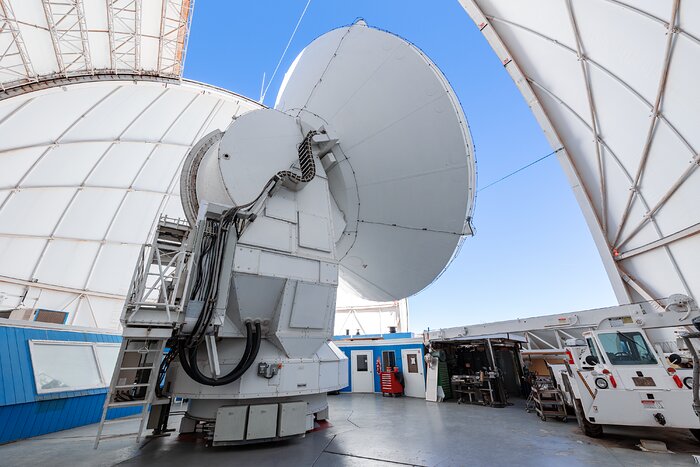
column 124, row 19
column 79, row 51
column 66, row 22
column 14, row 60
column 174, row 33
column 655, row 112
column 580, row 53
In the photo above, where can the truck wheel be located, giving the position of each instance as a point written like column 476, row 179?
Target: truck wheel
column 696, row 433
column 592, row 430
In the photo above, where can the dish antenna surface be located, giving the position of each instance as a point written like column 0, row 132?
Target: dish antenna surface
column 398, row 156
column 404, row 170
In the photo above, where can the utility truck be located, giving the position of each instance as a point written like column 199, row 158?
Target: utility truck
column 632, row 365
column 615, row 375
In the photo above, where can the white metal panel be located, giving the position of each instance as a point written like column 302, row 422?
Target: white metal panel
column 282, row 206
column 311, row 305
column 621, row 99
column 81, row 189
column 262, row 421
column 279, row 265
column 230, row 423
column 292, row 418
column 269, row 233
column 405, row 175
column 314, row 232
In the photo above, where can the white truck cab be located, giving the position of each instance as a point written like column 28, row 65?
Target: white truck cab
column 618, row 378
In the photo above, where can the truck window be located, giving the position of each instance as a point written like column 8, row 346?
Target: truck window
column 594, row 349
column 626, row 348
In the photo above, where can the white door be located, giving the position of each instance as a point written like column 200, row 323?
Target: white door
column 414, row 382
column 362, row 377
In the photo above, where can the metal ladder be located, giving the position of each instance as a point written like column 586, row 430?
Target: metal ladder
column 152, row 309
column 135, row 379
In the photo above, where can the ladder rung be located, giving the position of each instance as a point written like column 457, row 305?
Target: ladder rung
column 127, row 404
column 141, row 351
column 129, row 386
column 123, row 419
column 136, row 368
column 120, row 435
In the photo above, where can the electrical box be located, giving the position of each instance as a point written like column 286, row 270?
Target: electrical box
column 292, row 419
column 262, row 421
column 230, row 423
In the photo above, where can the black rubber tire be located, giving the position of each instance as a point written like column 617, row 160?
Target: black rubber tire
column 592, row 430
column 695, row 432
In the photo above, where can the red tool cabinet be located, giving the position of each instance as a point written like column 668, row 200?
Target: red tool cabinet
column 390, row 383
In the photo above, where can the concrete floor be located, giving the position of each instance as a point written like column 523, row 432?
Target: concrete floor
column 368, row 430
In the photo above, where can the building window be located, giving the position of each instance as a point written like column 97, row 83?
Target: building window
column 50, row 316
column 72, row 366
column 388, row 359
column 5, row 314
column 362, row 364
column 107, row 358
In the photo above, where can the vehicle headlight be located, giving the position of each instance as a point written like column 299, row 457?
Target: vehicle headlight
column 688, row 381
column 602, row 383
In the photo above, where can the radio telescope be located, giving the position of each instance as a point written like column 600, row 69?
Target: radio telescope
column 364, row 170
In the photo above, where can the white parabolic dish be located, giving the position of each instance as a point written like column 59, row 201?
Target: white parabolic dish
column 405, row 171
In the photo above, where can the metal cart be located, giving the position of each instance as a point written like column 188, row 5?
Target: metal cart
column 548, row 402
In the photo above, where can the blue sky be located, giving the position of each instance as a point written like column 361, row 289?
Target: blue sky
column 532, row 253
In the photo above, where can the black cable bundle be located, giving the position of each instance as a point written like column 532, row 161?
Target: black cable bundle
column 188, row 359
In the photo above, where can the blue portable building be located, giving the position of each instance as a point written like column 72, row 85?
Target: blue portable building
column 401, row 350
column 53, row 377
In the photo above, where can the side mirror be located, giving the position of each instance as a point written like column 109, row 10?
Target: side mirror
column 591, row 360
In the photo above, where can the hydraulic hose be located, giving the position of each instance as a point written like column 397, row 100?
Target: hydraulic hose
column 188, row 359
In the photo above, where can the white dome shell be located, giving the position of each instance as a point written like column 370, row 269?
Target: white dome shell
column 405, row 172
column 85, row 171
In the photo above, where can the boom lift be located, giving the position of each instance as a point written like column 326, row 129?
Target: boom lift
column 632, row 365
column 617, row 376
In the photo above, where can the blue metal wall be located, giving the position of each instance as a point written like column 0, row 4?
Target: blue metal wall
column 23, row 412
column 377, row 347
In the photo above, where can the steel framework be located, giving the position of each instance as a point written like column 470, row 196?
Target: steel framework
column 69, row 35
column 15, row 66
column 90, row 38
column 174, row 33
column 124, row 19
